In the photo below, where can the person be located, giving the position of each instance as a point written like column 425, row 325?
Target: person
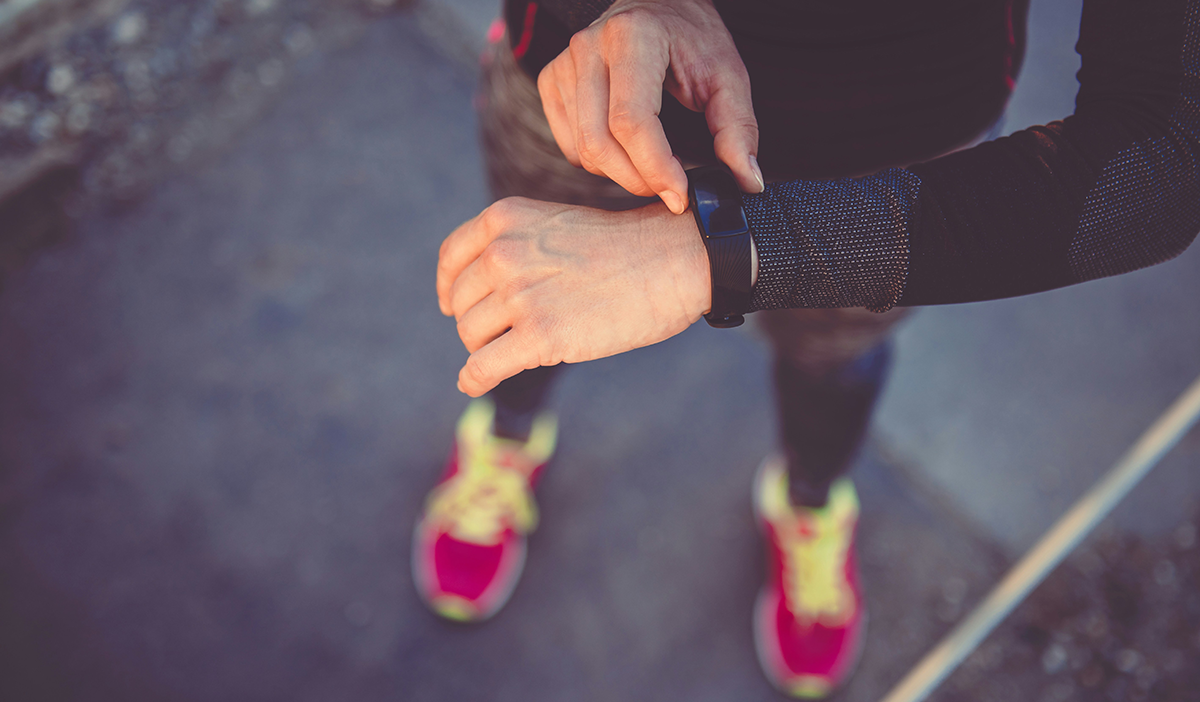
column 859, row 134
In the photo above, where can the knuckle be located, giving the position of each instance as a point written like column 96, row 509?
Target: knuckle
column 647, row 187
column 474, row 372
column 625, row 121
column 493, row 259
column 501, row 256
column 592, row 168
column 593, row 146
column 580, row 44
column 489, row 219
column 620, row 28
column 499, row 214
column 518, row 300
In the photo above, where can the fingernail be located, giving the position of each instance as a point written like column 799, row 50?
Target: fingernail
column 672, row 201
column 757, row 174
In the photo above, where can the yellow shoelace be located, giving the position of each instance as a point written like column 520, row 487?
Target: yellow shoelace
column 483, row 498
column 814, row 546
column 491, row 491
column 814, row 576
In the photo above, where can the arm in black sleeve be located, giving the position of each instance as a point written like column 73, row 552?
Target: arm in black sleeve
column 1113, row 188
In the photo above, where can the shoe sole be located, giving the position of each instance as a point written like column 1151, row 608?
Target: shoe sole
column 765, row 660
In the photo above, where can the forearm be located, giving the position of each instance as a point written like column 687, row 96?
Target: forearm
column 1113, row 188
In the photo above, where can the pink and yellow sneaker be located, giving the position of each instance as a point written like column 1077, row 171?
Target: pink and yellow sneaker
column 469, row 545
column 809, row 619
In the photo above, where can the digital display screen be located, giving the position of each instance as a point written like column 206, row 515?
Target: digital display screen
column 720, row 217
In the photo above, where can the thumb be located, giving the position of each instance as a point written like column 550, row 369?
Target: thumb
column 730, row 116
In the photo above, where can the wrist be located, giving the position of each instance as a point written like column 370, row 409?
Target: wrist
column 690, row 276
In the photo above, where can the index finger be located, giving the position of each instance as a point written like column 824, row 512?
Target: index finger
column 635, row 91
column 730, row 115
column 457, row 252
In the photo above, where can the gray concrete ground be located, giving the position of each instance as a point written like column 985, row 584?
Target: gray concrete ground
column 221, row 407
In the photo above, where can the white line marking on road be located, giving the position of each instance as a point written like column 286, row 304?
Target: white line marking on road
column 1060, row 540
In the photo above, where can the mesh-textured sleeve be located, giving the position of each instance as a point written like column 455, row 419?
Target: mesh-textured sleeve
column 839, row 243
column 1113, row 188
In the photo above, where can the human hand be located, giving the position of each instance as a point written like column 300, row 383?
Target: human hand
column 536, row 284
column 603, row 94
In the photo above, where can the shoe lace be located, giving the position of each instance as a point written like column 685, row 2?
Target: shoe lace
column 489, row 492
column 814, row 577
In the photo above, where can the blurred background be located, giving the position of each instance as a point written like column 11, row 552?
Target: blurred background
column 225, row 389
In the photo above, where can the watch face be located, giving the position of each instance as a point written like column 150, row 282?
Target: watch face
column 721, row 216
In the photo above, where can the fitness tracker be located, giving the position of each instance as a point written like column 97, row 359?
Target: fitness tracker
column 716, row 202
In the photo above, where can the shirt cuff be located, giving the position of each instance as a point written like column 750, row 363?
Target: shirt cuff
column 833, row 243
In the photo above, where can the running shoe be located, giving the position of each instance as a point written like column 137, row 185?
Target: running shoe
column 469, row 545
column 809, row 619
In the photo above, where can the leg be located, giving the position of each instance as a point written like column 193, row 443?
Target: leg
column 518, row 400
column 830, row 366
column 469, row 545
column 810, row 615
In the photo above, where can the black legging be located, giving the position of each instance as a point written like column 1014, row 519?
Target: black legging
column 822, row 420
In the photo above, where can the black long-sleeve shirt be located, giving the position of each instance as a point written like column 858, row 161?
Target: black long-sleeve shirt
column 844, row 88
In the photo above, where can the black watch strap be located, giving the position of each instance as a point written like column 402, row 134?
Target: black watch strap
column 716, row 203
